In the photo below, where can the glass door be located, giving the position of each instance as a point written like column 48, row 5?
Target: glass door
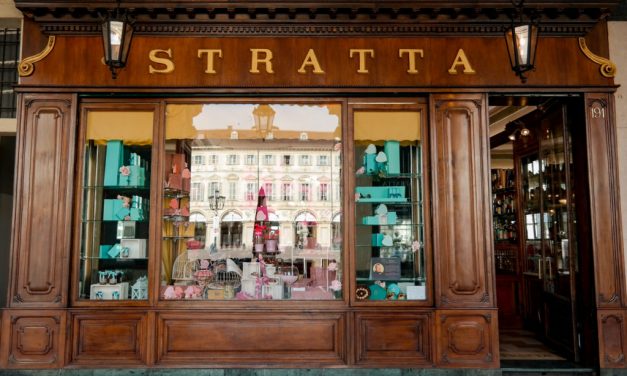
column 549, row 243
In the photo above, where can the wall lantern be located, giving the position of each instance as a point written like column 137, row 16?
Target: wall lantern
column 522, row 41
column 263, row 115
column 117, row 33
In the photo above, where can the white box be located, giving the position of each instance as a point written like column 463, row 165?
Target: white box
column 118, row 291
column 136, row 248
column 416, row 292
column 248, row 286
column 275, row 291
column 251, row 270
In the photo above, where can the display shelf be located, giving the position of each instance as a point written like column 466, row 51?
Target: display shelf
column 389, row 177
column 135, row 188
column 382, row 200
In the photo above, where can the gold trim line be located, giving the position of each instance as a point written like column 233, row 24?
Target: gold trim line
column 608, row 69
column 27, row 65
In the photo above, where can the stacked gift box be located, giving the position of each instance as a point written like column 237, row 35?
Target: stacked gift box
column 124, row 168
column 177, row 175
column 123, row 208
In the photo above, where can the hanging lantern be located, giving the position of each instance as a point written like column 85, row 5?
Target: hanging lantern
column 117, row 33
column 522, row 41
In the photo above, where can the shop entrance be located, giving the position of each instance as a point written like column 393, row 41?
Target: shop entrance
column 542, row 251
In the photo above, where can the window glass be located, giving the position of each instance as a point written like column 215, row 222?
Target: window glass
column 389, row 230
column 275, row 232
column 114, row 247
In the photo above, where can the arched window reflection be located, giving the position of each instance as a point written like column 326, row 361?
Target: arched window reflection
column 306, row 229
column 336, row 231
column 231, row 230
column 200, row 231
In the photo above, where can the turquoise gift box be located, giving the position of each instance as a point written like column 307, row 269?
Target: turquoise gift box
column 385, row 219
column 381, row 194
column 136, row 177
column 104, row 250
column 392, row 152
column 114, row 159
column 370, row 164
column 377, row 240
column 114, row 210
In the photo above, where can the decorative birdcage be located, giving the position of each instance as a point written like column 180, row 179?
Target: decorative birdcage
column 225, row 276
column 183, row 270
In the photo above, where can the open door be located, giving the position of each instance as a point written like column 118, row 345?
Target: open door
column 551, row 184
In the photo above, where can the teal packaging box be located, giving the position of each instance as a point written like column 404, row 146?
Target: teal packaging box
column 114, row 159
column 392, row 152
column 377, row 240
column 104, row 251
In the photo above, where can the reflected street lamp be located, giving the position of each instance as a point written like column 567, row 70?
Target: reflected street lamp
column 263, row 115
column 216, row 203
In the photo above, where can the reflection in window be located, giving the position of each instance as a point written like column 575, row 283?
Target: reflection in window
column 269, row 208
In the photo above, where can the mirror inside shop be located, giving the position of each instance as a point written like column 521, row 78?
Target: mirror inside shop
column 251, row 204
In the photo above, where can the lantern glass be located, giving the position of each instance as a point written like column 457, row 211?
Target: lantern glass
column 522, row 41
column 116, row 31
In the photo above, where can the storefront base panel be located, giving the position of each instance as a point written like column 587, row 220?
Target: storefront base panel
column 257, row 372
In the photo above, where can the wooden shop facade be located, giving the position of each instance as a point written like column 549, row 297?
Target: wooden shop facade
column 309, row 185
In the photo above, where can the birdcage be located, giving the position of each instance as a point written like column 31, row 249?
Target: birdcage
column 183, row 270
column 226, row 276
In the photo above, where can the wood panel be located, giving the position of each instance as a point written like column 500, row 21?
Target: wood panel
column 32, row 339
column 612, row 338
column 113, row 336
column 382, row 63
column 42, row 209
column 462, row 230
column 395, row 339
column 604, row 200
column 467, row 339
column 251, row 339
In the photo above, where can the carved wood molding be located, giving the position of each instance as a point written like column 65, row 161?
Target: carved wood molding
column 607, row 68
column 253, row 28
column 27, row 65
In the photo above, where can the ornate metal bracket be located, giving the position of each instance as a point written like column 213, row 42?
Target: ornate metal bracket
column 27, row 65
column 608, row 69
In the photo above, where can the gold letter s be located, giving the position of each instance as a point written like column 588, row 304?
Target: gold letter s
column 169, row 64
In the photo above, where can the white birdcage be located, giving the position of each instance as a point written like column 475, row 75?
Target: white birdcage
column 226, row 274
column 183, row 270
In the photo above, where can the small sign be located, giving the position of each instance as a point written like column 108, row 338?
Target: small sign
column 385, row 268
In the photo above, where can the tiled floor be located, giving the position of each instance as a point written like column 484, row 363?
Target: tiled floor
column 522, row 345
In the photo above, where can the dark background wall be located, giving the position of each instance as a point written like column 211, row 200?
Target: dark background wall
column 7, row 166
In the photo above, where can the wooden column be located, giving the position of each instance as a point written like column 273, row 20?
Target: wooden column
column 43, row 199
column 466, row 318
column 606, row 229
column 33, row 328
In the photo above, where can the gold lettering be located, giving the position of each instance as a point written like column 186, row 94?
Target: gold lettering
column 411, row 53
column 362, row 58
column 312, row 61
column 169, row 64
column 256, row 60
column 462, row 60
column 210, row 55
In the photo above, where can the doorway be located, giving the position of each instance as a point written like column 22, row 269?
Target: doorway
column 542, row 245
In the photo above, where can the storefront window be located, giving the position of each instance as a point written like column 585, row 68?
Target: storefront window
column 390, row 260
column 280, row 238
column 116, row 206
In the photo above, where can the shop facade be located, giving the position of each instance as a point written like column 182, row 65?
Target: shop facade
column 354, row 137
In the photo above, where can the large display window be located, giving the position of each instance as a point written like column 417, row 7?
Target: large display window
column 266, row 180
column 243, row 201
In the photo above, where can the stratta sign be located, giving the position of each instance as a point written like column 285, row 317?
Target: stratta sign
column 161, row 61
column 355, row 63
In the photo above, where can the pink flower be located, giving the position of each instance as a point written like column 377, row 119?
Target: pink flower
column 360, row 171
column 332, row 266
column 204, row 264
column 125, row 171
column 336, row 285
column 169, row 293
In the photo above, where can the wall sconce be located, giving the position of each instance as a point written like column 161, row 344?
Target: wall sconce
column 117, row 33
column 522, row 41
column 521, row 130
